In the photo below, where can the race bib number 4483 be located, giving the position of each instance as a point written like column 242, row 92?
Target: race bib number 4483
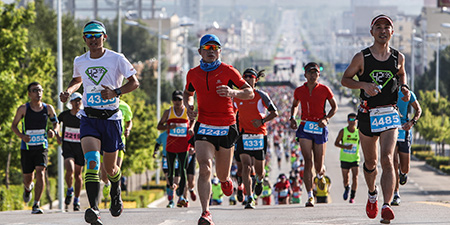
column 385, row 118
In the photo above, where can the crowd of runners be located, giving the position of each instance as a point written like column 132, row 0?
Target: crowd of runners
column 231, row 127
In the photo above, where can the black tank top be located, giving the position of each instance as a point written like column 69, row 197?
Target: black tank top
column 383, row 73
column 35, row 121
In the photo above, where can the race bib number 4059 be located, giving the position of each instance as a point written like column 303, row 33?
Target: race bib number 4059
column 385, row 118
column 209, row 130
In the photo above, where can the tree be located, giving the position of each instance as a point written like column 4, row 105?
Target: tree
column 19, row 66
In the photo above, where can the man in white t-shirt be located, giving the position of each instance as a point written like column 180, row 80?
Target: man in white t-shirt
column 101, row 71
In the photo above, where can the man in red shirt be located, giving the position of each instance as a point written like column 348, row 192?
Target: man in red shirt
column 312, row 131
column 215, row 132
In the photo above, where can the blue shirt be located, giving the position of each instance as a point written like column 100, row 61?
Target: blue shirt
column 403, row 106
column 162, row 140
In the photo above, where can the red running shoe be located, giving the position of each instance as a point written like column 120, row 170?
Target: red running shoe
column 205, row 219
column 227, row 187
column 386, row 214
column 372, row 206
column 193, row 195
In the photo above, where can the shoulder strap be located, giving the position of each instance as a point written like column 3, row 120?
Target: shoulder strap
column 366, row 52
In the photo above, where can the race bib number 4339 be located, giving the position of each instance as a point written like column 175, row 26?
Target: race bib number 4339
column 385, row 118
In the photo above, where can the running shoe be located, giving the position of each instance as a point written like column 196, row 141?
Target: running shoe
column 249, row 204
column 171, row 204
column 240, row 193
column 403, row 178
column 182, row 202
column 193, row 195
column 116, row 207
column 386, row 214
column 106, row 190
column 205, row 219
column 227, row 187
column 352, row 200
column 310, row 202
column 92, row 216
column 169, row 194
column 69, row 196
column 232, row 200
column 372, row 206
column 396, row 201
column 258, row 188
column 347, row 189
column 76, row 206
column 27, row 193
column 36, row 209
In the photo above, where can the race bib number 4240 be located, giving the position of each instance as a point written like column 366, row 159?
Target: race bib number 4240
column 385, row 118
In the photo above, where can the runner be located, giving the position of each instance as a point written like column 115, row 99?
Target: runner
column 381, row 72
column 72, row 152
column 348, row 141
column 283, row 189
column 215, row 131
column 312, row 131
column 252, row 144
column 101, row 71
column 192, row 165
column 179, row 128
column 403, row 147
column 322, row 189
column 162, row 141
column 34, row 147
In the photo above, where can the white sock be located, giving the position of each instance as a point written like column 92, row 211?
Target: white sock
column 310, row 194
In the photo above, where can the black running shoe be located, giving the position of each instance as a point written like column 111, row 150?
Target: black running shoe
column 92, row 216
column 116, row 207
column 403, row 178
column 258, row 189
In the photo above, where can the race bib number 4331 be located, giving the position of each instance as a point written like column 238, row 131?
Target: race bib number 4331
column 209, row 130
column 384, row 118
column 253, row 142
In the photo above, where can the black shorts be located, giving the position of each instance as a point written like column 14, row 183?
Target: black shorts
column 349, row 165
column 227, row 141
column 364, row 125
column 258, row 154
column 322, row 199
column 32, row 158
column 191, row 164
column 405, row 146
column 73, row 150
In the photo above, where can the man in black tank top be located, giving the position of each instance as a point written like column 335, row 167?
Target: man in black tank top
column 34, row 147
column 381, row 72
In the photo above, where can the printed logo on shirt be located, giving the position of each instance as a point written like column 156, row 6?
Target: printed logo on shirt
column 96, row 74
column 218, row 82
column 381, row 77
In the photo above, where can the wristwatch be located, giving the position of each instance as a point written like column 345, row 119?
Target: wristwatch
column 414, row 121
column 118, row 92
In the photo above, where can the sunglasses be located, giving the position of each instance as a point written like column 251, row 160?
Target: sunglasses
column 36, row 90
column 213, row 47
column 176, row 99
column 91, row 35
column 351, row 119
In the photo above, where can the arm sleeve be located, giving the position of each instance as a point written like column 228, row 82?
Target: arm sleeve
column 267, row 101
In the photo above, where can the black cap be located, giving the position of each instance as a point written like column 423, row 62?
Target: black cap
column 177, row 95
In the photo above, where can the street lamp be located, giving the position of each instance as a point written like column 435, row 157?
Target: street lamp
column 413, row 40
column 438, row 36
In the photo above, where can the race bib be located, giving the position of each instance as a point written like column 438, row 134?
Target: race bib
column 94, row 98
column 312, row 128
column 37, row 137
column 165, row 165
column 351, row 151
column 385, row 118
column 401, row 135
column 283, row 193
column 179, row 131
column 72, row 134
column 253, row 142
column 209, row 130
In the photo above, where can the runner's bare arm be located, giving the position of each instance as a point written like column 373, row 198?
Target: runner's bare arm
column 294, row 110
column 357, row 67
column 74, row 85
column 19, row 115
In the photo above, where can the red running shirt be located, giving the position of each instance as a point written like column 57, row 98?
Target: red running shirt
column 213, row 109
column 178, row 143
column 313, row 104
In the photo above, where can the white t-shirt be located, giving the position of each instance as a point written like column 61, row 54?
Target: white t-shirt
column 108, row 70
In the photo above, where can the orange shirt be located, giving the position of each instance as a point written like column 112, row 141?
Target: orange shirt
column 253, row 109
column 213, row 109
